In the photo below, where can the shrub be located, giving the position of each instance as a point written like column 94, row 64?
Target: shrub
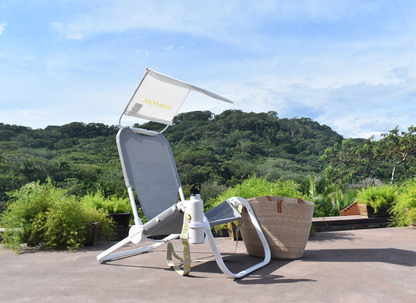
column 90, row 215
column 43, row 215
column 404, row 210
column 60, row 225
column 378, row 196
column 22, row 210
column 110, row 205
column 257, row 187
column 4, row 197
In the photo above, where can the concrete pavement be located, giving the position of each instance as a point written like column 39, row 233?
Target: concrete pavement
column 373, row 265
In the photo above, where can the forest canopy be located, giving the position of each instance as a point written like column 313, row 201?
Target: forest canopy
column 222, row 149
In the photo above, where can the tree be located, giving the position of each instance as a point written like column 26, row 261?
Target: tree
column 340, row 158
column 223, row 148
column 27, row 168
column 401, row 146
column 368, row 155
column 348, row 161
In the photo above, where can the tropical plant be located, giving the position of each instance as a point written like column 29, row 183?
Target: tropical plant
column 378, row 196
column 337, row 199
column 27, row 167
column 329, row 200
column 350, row 196
column 404, row 210
column 319, row 192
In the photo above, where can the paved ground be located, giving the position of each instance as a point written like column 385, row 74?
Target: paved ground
column 376, row 265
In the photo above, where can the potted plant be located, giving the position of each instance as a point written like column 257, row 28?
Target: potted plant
column 376, row 200
column 404, row 210
column 119, row 209
column 97, row 223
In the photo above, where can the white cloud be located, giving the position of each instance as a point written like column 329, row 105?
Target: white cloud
column 29, row 116
column 57, row 25
column 76, row 36
column 32, row 114
column 2, row 25
column 347, row 64
column 141, row 52
column 226, row 21
column 353, row 110
column 400, row 72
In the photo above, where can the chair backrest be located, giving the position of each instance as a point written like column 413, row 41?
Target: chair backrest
column 149, row 167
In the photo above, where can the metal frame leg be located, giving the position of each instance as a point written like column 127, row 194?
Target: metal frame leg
column 218, row 258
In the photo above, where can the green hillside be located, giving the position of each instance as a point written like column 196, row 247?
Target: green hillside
column 219, row 149
column 228, row 147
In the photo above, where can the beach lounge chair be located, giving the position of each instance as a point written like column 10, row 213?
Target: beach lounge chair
column 149, row 168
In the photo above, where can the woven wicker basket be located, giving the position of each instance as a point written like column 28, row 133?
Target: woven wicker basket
column 286, row 223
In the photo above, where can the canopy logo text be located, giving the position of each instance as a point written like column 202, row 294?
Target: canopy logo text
column 157, row 104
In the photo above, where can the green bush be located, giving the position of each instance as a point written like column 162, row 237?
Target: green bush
column 404, row 210
column 43, row 215
column 60, row 225
column 91, row 215
column 257, row 187
column 22, row 209
column 111, row 204
column 378, row 196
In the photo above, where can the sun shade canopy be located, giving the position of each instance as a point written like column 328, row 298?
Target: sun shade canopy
column 159, row 97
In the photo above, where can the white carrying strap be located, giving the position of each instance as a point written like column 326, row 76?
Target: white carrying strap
column 185, row 248
column 186, row 251
column 240, row 223
column 237, row 230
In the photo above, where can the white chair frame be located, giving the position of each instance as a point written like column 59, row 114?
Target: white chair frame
column 236, row 201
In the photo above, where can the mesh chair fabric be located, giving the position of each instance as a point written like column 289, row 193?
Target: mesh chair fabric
column 149, row 167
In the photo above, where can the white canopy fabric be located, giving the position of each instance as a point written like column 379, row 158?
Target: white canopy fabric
column 159, row 97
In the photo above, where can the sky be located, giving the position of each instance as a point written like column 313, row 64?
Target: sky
column 347, row 64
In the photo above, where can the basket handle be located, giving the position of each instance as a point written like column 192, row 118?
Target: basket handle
column 279, row 206
column 279, row 203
